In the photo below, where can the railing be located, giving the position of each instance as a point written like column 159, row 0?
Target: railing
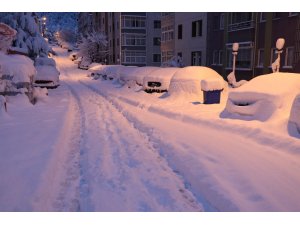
column 240, row 26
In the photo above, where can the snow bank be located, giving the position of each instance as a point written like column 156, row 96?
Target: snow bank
column 40, row 94
column 19, row 67
column 295, row 112
column 186, row 83
column 139, row 74
column 161, row 77
column 259, row 98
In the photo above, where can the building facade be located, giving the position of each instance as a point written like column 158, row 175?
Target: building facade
column 256, row 34
column 133, row 37
column 190, row 38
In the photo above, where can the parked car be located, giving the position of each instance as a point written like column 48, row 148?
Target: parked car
column 73, row 56
column 47, row 74
column 264, row 97
column 137, row 76
column 16, row 74
column 186, row 82
column 67, row 46
column 159, row 80
column 84, row 63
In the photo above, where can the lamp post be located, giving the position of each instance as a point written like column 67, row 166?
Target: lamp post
column 235, row 48
column 279, row 49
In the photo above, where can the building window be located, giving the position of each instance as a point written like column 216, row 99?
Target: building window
column 262, row 17
column 222, row 21
column 157, row 24
column 240, row 21
column 197, row 28
column 293, row 14
column 133, row 39
column 156, row 57
column 134, row 57
column 133, row 22
column 196, row 58
column 167, row 33
column 244, row 57
column 289, row 56
column 179, row 35
column 166, row 55
column 156, row 41
column 260, row 57
column 217, row 57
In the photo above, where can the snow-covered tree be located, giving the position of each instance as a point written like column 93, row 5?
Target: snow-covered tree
column 28, row 39
column 94, row 46
column 66, row 35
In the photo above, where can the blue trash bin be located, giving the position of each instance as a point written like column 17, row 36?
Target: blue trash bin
column 212, row 97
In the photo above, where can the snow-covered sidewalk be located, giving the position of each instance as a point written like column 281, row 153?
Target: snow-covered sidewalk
column 95, row 147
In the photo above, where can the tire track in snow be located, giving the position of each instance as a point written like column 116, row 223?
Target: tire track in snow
column 155, row 145
column 121, row 174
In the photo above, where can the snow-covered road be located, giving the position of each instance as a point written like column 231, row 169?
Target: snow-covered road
column 108, row 155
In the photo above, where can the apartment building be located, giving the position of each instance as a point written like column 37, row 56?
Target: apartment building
column 190, row 38
column 133, row 37
column 256, row 34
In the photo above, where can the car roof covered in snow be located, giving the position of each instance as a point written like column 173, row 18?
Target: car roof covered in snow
column 162, row 73
column 139, row 73
column 46, row 73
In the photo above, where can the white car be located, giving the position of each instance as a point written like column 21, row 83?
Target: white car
column 264, row 97
column 47, row 74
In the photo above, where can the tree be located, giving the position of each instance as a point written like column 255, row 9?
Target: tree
column 28, row 39
column 94, row 46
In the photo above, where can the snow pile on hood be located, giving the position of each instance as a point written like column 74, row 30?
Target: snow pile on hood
column 186, row 83
column 139, row 74
column 162, row 75
column 19, row 67
column 259, row 98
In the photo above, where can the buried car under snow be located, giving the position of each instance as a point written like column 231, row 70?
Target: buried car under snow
column 159, row 80
column 263, row 97
column 47, row 74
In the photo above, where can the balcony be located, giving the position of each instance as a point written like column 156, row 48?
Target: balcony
column 241, row 26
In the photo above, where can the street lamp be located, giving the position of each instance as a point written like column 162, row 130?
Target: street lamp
column 235, row 48
column 279, row 49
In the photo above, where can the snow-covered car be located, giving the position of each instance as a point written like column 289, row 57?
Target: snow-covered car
column 16, row 74
column 73, row 56
column 264, row 97
column 125, row 72
column 159, row 80
column 67, row 46
column 47, row 74
column 186, row 82
column 136, row 76
column 84, row 63
column 112, row 72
